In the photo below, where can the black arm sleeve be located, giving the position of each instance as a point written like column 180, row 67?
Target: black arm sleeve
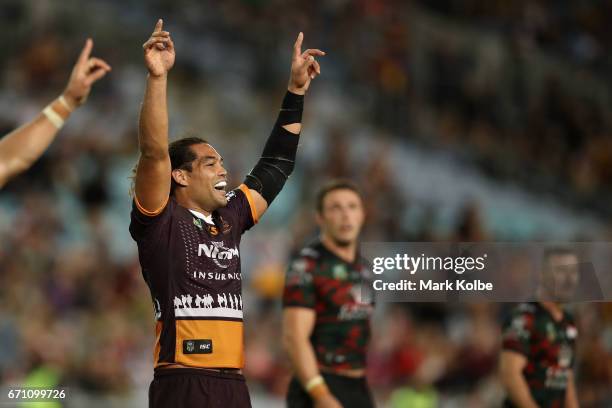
column 278, row 158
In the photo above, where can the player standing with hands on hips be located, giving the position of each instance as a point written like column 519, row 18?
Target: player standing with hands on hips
column 188, row 230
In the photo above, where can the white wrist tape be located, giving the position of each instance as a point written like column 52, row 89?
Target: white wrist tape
column 313, row 382
column 53, row 117
column 64, row 102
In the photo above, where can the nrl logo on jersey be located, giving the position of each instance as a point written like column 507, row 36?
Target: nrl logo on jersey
column 218, row 253
column 197, row 222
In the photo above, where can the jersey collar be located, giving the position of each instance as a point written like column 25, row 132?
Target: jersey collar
column 207, row 218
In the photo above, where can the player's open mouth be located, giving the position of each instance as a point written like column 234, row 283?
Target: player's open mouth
column 220, row 186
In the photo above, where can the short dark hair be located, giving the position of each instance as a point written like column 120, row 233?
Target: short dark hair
column 558, row 251
column 333, row 186
column 182, row 155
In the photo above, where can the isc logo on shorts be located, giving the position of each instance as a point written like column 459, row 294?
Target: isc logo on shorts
column 200, row 346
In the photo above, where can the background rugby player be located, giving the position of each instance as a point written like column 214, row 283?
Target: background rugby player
column 326, row 317
column 24, row 145
column 188, row 231
column 539, row 340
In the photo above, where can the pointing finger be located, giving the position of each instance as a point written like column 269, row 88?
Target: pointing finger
column 85, row 52
column 297, row 47
column 159, row 25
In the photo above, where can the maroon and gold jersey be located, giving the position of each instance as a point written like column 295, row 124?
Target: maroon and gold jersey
column 340, row 294
column 191, row 264
column 549, row 347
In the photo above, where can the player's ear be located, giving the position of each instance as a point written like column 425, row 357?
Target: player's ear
column 180, row 177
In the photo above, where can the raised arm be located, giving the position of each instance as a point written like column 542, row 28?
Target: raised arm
column 278, row 159
column 24, row 145
column 152, row 184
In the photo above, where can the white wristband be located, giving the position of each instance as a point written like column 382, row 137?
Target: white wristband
column 64, row 102
column 313, row 382
column 53, row 117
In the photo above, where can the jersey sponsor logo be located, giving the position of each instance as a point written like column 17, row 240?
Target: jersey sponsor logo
column 361, row 308
column 219, row 254
column 362, row 294
column 355, row 311
column 556, row 378
column 197, row 346
column 565, row 356
column 216, row 275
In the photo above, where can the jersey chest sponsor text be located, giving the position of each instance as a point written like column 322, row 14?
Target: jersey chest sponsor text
column 348, row 297
column 206, row 254
column 216, row 250
column 224, row 257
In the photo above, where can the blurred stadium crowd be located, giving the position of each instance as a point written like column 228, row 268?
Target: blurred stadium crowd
column 519, row 91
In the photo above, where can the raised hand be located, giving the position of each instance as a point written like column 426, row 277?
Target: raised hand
column 159, row 51
column 85, row 73
column 304, row 67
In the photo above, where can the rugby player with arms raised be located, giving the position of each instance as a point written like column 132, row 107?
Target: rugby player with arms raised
column 188, row 229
